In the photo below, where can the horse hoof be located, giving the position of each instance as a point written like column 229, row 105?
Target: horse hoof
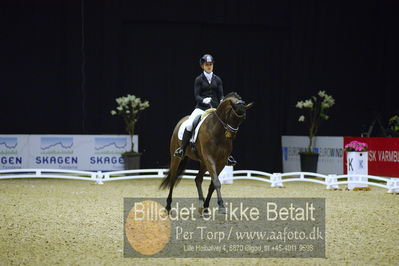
column 200, row 206
column 205, row 215
column 204, row 212
column 200, row 210
column 222, row 210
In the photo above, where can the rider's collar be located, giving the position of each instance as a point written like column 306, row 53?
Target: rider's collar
column 208, row 76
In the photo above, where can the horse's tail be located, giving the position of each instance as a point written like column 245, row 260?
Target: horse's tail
column 170, row 180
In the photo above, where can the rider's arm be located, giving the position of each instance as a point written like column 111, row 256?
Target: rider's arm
column 197, row 90
column 220, row 90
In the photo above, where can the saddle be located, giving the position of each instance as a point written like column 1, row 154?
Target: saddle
column 196, row 125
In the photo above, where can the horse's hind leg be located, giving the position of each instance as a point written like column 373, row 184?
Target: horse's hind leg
column 198, row 182
column 169, row 199
column 174, row 164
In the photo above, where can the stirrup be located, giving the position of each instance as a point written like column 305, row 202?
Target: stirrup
column 179, row 153
column 231, row 161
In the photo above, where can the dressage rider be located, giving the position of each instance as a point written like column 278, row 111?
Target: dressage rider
column 208, row 93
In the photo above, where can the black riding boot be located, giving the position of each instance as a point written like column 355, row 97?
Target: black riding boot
column 231, row 161
column 186, row 138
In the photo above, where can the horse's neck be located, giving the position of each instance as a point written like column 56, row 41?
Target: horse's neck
column 222, row 112
column 217, row 128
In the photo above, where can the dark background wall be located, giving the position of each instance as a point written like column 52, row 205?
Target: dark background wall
column 64, row 62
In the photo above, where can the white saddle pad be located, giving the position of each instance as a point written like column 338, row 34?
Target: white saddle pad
column 193, row 136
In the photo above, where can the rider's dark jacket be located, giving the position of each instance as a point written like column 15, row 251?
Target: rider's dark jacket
column 204, row 89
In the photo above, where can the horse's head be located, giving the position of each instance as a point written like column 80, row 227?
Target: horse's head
column 235, row 103
column 233, row 110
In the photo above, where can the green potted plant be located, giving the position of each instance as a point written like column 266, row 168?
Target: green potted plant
column 129, row 108
column 393, row 126
column 315, row 110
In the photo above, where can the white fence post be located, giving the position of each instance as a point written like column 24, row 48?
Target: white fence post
column 331, row 179
column 392, row 183
column 99, row 177
column 276, row 180
column 160, row 173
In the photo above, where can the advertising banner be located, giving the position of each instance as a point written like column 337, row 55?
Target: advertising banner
column 75, row 152
column 330, row 151
column 383, row 155
column 105, row 152
column 251, row 228
column 53, row 152
column 13, row 151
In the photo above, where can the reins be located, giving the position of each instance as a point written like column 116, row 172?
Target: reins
column 226, row 125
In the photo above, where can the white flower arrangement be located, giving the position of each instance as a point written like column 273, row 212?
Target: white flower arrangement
column 129, row 108
column 317, row 107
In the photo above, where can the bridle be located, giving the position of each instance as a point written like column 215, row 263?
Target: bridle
column 230, row 131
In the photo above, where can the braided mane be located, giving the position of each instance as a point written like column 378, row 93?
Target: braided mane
column 224, row 106
column 233, row 95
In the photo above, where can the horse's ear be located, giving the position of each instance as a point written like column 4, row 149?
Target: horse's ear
column 248, row 106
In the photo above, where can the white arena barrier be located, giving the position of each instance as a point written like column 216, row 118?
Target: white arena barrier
column 50, row 173
column 331, row 181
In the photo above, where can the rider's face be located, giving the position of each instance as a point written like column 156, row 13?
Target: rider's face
column 207, row 67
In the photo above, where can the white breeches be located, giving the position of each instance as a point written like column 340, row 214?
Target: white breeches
column 193, row 115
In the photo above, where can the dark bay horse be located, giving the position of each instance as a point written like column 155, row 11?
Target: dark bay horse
column 213, row 146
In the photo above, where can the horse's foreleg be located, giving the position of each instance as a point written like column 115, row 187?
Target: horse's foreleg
column 209, row 196
column 215, row 184
column 218, row 187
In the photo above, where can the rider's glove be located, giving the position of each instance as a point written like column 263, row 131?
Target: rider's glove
column 207, row 100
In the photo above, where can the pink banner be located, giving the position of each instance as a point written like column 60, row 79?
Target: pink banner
column 383, row 155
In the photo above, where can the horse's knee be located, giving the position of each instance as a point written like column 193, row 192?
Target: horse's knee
column 216, row 183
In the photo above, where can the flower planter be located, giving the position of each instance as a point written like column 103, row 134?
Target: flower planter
column 309, row 161
column 129, row 107
column 227, row 172
column 357, row 164
column 315, row 110
column 132, row 161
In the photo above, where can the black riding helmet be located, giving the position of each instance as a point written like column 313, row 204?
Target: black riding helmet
column 206, row 58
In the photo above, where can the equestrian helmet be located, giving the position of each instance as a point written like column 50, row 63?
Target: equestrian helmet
column 206, row 58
